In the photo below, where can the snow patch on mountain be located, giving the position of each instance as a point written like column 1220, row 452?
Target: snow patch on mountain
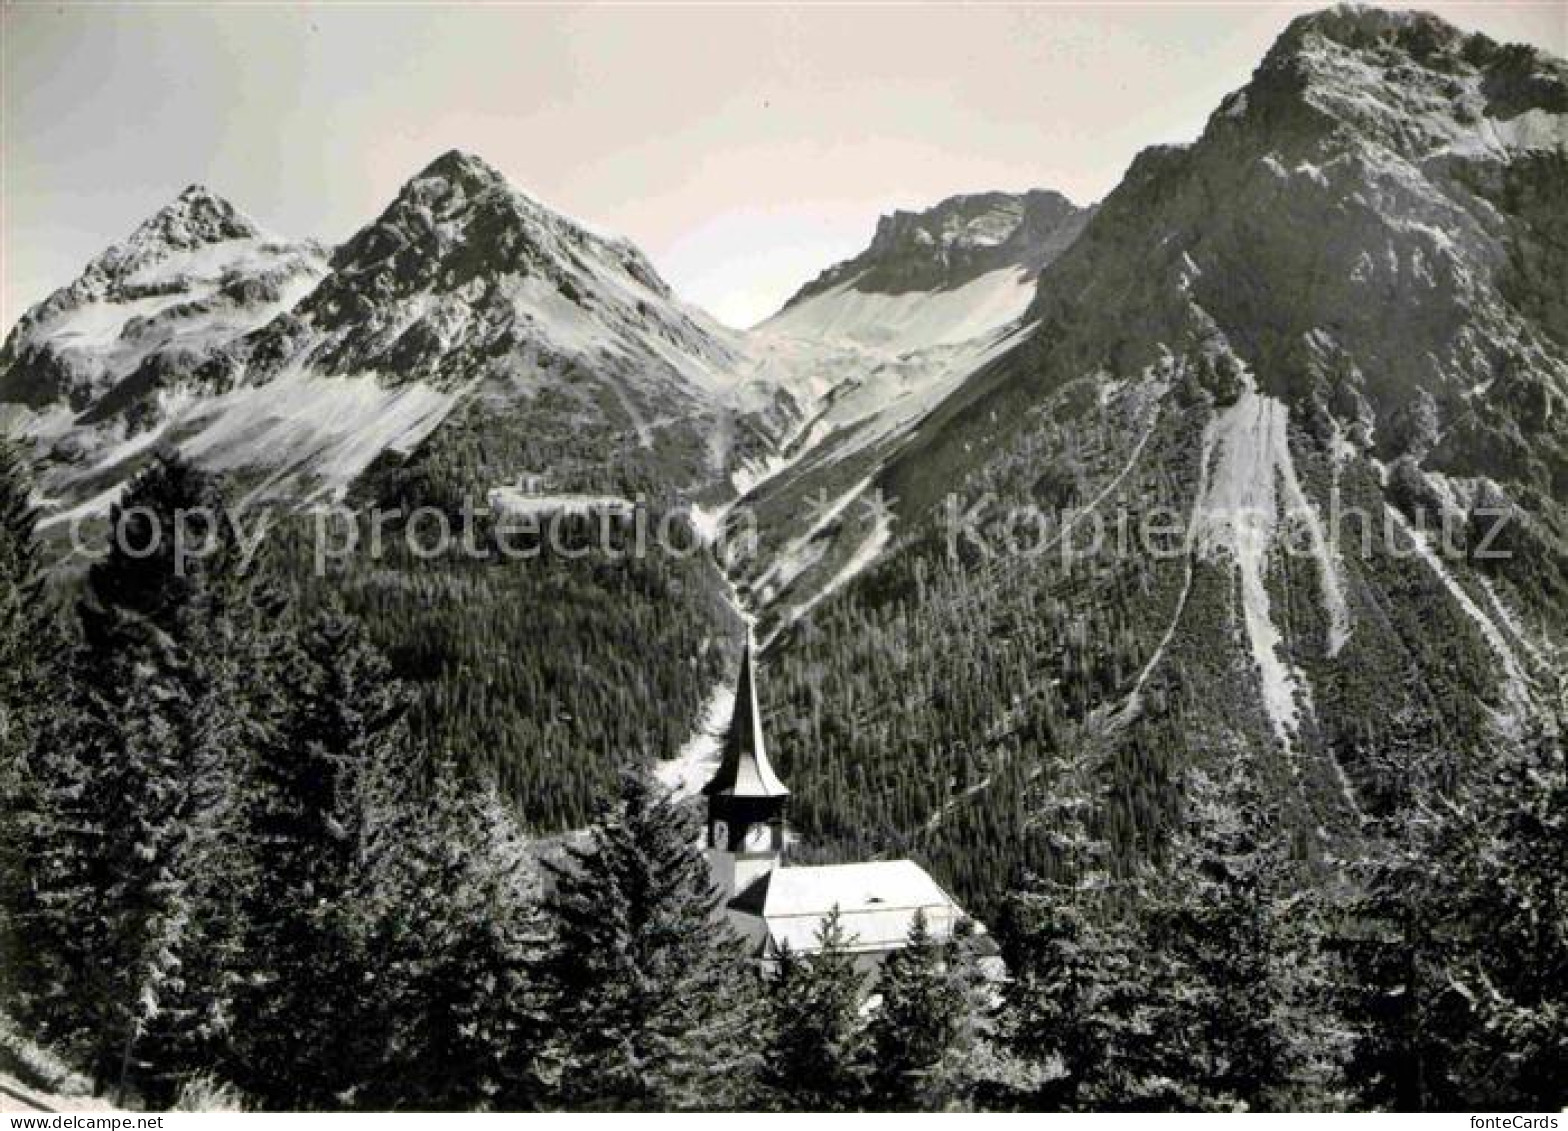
column 698, row 758
column 319, row 432
column 913, row 320
column 1237, row 520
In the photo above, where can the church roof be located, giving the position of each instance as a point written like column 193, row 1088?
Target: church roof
column 744, row 770
column 876, row 903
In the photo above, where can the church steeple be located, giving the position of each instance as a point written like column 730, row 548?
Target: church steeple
column 745, row 770
column 746, row 799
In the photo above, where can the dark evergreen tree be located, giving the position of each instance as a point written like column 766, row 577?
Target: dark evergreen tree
column 650, row 1002
column 141, row 885
column 1243, row 1010
column 454, row 939
column 924, row 1033
column 1517, row 979
column 24, row 614
column 1076, row 1007
column 304, row 1034
column 1469, row 962
column 1405, row 937
column 31, row 676
column 819, row 1054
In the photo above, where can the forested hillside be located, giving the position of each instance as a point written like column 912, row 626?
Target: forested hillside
column 1210, row 508
column 1183, row 579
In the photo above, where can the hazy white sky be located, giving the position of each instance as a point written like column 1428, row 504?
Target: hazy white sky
column 743, row 148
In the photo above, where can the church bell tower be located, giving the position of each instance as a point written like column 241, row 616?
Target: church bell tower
column 746, row 800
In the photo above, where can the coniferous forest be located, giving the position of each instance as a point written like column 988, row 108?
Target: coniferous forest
column 234, row 873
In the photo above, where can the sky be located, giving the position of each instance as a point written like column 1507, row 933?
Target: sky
column 743, row 148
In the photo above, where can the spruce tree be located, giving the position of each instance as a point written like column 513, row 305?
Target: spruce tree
column 456, row 931
column 1513, row 973
column 1244, row 1004
column 31, row 678
column 924, row 1032
column 303, row 1035
column 650, row 1003
column 1076, row 1008
column 25, row 623
column 1455, row 945
column 143, row 782
column 819, row 1054
column 1404, row 939
column 1523, row 991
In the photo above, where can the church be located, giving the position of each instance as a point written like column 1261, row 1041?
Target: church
column 772, row 905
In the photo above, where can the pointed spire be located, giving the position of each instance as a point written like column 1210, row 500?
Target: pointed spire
column 744, row 770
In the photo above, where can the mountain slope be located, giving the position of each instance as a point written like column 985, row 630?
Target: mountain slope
column 1184, row 520
column 296, row 371
column 868, row 349
column 468, row 350
column 962, row 268
column 193, row 276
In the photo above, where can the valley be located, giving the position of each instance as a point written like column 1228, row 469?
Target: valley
column 1151, row 358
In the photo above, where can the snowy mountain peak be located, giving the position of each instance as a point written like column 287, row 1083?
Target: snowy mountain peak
column 1406, row 81
column 192, row 277
column 462, row 167
column 461, row 263
column 955, row 242
column 196, row 218
column 459, row 220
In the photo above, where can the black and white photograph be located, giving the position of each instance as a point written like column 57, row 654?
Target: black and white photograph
column 786, row 558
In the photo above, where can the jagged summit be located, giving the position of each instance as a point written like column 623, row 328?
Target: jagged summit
column 1362, row 27
column 459, row 164
column 200, row 215
column 459, row 218
column 197, row 217
column 956, row 241
column 1407, row 81
column 192, row 277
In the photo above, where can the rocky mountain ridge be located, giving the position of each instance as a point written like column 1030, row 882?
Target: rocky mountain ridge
column 194, row 276
column 297, row 370
column 1325, row 338
column 955, row 241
